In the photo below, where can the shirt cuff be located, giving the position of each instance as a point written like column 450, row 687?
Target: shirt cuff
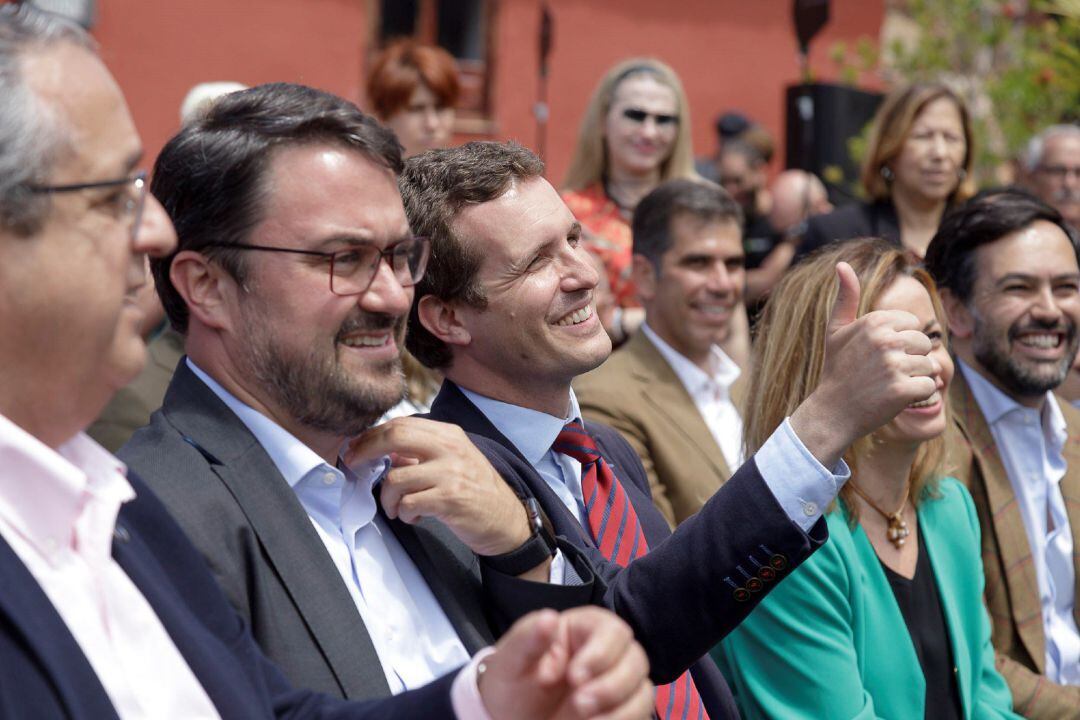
column 801, row 484
column 465, row 690
column 557, row 571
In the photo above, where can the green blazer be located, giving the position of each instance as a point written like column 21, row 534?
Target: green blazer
column 830, row 642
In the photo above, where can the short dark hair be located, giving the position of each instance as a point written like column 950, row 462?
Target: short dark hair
column 651, row 225
column 435, row 186
column 989, row 216
column 210, row 177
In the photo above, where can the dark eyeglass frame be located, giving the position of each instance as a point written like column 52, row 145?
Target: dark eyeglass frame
column 637, row 115
column 134, row 207
column 1059, row 172
column 388, row 253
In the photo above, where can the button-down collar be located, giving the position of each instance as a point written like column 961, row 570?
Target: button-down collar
column 532, row 432
column 722, row 374
column 47, row 511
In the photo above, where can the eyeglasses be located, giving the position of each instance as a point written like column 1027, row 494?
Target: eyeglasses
column 1060, row 172
column 640, row 116
column 126, row 205
column 352, row 269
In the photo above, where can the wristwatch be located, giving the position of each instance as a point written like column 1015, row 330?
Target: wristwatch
column 539, row 547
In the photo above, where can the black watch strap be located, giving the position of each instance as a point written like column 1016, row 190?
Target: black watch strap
column 539, row 547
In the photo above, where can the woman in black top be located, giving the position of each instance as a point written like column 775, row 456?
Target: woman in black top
column 918, row 163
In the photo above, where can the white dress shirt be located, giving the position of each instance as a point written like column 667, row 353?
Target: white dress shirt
column 711, row 393
column 1030, row 444
column 58, row 511
column 411, row 634
column 801, row 484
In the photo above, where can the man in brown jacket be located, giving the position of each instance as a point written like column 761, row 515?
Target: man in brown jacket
column 1007, row 267
column 671, row 391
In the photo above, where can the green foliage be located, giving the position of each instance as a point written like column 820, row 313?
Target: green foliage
column 1016, row 62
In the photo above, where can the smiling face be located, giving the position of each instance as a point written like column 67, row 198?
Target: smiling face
column 327, row 362
column 423, row 123
column 67, row 294
column 690, row 300
column 641, row 126
column 1020, row 326
column 539, row 329
column 933, row 153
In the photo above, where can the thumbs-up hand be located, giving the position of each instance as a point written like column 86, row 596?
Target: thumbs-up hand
column 875, row 366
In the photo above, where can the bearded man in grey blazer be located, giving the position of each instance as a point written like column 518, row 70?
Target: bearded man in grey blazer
column 291, row 283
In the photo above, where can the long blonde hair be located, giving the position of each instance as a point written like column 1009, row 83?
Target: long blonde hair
column 589, row 163
column 789, row 352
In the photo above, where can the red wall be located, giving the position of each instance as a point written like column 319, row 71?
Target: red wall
column 729, row 53
column 158, row 49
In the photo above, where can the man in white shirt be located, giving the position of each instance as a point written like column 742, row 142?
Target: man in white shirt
column 106, row 609
column 671, row 390
column 1007, row 268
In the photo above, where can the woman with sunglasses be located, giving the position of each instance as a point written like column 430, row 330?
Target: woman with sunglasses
column 635, row 135
column 886, row 619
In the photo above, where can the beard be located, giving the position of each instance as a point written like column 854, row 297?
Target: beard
column 1023, row 377
column 315, row 390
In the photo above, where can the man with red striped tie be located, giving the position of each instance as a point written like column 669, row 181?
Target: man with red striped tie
column 506, row 313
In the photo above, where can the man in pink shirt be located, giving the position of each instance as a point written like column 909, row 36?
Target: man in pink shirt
column 106, row 610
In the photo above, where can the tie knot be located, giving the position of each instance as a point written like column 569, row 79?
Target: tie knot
column 575, row 442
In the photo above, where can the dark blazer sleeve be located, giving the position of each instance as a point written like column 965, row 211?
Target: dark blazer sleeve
column 696, row 585
column 216, row 643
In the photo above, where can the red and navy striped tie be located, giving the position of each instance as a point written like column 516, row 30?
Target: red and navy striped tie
column 617, row 532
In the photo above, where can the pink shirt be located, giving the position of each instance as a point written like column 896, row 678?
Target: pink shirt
column 58, row 513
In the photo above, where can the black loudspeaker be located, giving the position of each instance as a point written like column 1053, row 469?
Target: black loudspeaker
column 821, row 117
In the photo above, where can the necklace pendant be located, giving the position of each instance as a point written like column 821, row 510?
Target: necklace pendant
column 898, row 530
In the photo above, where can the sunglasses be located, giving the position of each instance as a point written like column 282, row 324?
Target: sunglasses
column 640, row 116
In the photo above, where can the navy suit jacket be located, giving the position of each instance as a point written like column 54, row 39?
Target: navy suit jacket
column 694, row 586
column 44, row 674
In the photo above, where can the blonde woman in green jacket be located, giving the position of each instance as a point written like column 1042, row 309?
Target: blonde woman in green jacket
column 886, row 620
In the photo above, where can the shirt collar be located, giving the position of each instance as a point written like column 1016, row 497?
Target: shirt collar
column 532, row 432
column 43, row 491
column 292, row 458
column 723, row 370
column 993, row 403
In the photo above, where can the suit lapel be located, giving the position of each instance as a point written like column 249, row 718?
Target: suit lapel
column 664, row 392
column 27, row 610
column 1008, row 524
column 452, row 406
column 284, row 530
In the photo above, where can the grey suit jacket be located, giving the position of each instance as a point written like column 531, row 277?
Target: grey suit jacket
column 229, row 498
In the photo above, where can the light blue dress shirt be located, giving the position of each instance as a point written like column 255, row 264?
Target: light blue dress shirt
column 801, row 484
column 1030, row 444
column 411, row 634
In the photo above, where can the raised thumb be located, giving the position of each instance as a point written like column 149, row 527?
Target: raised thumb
column 847, row 297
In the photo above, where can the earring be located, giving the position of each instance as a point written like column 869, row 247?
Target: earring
column 961, row 174
column 887, row 173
